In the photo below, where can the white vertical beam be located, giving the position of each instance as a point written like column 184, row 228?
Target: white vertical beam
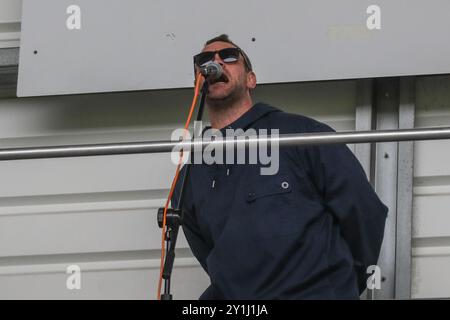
column 363, row 120
column 386, row 181
column 405, row 191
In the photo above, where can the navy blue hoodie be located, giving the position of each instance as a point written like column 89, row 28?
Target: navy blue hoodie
column 307, row 232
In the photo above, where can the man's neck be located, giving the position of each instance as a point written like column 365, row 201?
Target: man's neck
column 221, row 117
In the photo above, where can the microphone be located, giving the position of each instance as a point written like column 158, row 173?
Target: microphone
column 212, row 69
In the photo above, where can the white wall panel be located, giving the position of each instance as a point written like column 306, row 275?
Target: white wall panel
column 430, row 275
column 432, row 158
column 132, row 227
column 431, row 210
column 102, row 280
column 85, row 174
column 311, row 40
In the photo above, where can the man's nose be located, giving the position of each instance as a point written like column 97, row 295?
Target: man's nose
column 218, row 59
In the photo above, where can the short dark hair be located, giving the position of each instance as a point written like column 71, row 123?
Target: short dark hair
column 225, row 38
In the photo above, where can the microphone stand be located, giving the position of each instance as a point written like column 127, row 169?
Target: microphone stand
column 174, row 217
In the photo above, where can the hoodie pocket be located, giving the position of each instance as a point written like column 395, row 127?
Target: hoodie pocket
column 273, row 208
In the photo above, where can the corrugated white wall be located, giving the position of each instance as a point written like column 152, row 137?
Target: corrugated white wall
column 431, row 206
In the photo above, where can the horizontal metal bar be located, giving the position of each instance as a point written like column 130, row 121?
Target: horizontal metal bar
column 168, row 146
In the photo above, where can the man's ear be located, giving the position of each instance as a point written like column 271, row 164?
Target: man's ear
column 251, row 80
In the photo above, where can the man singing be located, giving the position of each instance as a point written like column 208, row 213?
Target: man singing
column 307, row 232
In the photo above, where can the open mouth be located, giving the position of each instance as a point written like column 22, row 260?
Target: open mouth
column 223, row 78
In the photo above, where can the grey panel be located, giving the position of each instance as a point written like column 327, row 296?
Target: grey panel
column 386, row 172
column 405, row 192
column 141, row 44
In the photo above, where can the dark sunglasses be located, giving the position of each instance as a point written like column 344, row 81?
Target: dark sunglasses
column 228, row 55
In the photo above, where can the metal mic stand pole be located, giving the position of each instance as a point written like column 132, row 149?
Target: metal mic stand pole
column 174, row 217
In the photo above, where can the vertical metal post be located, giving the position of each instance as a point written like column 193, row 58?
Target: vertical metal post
column 363, row 121
column 405, row 191
column 387, row 98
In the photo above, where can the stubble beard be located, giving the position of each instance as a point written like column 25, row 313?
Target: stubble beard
column 227, row 101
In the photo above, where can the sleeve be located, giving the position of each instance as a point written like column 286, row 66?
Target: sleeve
column 196, row 241
column 351, row 199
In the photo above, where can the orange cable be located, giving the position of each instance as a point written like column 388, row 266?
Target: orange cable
column 174, row 182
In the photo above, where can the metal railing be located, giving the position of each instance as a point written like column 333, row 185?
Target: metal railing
column 168, row 146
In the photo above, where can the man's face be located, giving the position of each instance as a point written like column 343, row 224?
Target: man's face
column 234, row 82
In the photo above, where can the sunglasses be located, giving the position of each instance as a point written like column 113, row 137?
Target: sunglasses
column 228, row 55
